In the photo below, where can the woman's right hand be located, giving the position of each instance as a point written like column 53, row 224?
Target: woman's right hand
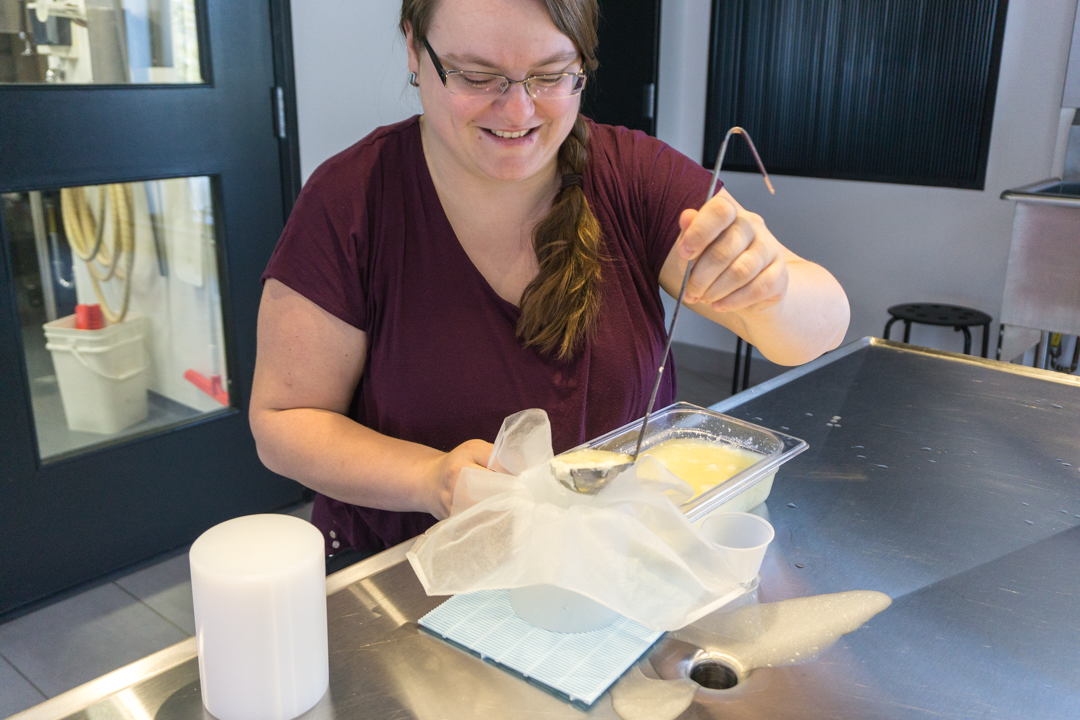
column 445, row 471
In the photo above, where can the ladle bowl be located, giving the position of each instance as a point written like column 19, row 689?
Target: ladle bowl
column 590, row 480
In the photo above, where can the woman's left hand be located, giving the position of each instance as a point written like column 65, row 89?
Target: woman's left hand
column 739, row 265
column 790, row 309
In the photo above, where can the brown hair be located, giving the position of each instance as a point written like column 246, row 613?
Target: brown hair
column 560, row 307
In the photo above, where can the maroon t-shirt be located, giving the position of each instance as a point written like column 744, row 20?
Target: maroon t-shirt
column 368, row 241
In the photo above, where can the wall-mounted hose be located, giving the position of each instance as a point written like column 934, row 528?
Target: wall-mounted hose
column 85, row 235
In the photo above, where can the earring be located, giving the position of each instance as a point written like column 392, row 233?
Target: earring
column 412, row 80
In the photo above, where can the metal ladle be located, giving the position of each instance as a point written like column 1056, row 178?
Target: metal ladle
column 590, row 481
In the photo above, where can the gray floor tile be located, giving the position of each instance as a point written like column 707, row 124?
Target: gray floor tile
column 16, row 693
column 166, row 588
column 76, row 640
column 701, row 389
column 702, row 359
column 702, row 369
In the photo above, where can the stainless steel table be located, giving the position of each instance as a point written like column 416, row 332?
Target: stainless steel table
column 965, row 510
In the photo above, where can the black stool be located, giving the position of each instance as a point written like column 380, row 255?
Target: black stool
column 954, row 316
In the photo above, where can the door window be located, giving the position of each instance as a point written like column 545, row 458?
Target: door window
column 119, row 307
column 111, row 42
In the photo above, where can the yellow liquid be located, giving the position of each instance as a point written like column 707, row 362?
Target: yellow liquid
column 702, row 463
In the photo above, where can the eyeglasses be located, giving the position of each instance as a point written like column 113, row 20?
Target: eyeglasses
column 549, row 86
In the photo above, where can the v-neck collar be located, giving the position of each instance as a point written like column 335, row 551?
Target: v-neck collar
column 440, row 217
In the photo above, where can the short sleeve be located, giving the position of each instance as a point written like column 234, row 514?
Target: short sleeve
column 322, row 251
column 661, row 182
column 670, row 183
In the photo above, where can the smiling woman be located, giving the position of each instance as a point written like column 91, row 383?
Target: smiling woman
column 499, row 252
column 536, row 133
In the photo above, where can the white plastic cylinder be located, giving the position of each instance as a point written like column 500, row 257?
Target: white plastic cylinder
column 259, row 587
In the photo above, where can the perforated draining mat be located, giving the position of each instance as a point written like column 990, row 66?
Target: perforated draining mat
column 578, row 667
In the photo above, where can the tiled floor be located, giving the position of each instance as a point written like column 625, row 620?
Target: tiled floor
column 78, row 639
column 84, row 636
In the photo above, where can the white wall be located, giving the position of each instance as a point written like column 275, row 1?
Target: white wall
column 889, row 244
column 351, row 74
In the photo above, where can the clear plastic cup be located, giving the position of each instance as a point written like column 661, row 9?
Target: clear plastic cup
column 743, row 538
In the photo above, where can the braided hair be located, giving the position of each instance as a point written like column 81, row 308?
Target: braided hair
column 560, row 307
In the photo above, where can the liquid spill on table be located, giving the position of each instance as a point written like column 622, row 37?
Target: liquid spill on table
column 638, row 697
column 748, row 638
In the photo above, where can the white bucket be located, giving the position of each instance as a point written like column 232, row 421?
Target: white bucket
column 101, row 373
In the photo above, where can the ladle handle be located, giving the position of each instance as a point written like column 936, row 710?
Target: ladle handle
column 686, row 276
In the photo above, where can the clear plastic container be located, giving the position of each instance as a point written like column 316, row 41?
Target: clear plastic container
column 743, row 490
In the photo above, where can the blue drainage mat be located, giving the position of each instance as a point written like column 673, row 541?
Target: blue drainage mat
column 578, row 667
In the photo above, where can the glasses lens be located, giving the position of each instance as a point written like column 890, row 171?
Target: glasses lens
column 559, row 85
column 475, row 83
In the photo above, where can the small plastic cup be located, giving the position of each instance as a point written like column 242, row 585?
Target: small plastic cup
column 743, row 538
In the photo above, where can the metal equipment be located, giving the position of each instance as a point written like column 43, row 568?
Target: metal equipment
column 943, row 489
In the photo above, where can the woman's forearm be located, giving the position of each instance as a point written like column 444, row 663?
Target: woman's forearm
column 338, row 457
column 811, row 319
column 791, row 309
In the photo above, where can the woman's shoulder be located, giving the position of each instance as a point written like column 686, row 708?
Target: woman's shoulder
column 621, row 145
column 640, row 185
column 630, row 161
column 386, row 146
column 613, row 135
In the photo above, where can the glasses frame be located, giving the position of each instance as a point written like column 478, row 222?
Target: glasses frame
column 506, row 82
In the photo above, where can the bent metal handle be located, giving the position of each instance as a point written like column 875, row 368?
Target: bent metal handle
column 689, row 267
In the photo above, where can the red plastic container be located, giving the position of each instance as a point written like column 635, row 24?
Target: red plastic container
column 89, row 317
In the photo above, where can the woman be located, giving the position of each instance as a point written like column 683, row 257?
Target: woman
column 496, row 253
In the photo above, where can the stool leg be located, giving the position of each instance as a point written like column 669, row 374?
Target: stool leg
column 907, row 331
column 986, row 340
column 967, row 340
column 746, row 366
column 738, row 360
column 888, row 327
column 1042, row 350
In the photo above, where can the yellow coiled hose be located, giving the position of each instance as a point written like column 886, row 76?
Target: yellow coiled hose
column 86, row 237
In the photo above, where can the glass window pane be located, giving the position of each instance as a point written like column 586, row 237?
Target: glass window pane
column 99, row 41
column 120, row 309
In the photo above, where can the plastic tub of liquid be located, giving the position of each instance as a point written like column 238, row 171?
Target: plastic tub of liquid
column 758, row 451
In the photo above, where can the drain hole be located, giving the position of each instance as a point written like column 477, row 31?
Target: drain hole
column 714, row 675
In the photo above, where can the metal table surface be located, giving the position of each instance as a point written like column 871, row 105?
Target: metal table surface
column 976, row 539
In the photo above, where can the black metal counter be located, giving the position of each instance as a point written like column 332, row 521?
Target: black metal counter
column 950, row 483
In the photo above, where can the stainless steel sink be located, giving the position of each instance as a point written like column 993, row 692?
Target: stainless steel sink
column 1041, row 293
